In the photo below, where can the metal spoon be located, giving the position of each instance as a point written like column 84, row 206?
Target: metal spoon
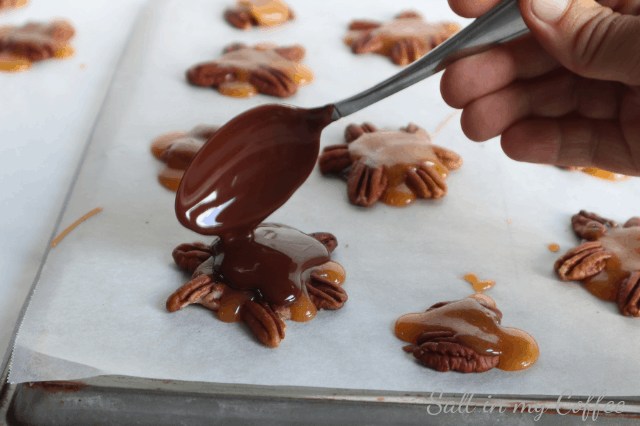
column 255, row 162
column 500, row 25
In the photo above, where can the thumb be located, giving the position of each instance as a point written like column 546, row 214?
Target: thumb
column 590, row 40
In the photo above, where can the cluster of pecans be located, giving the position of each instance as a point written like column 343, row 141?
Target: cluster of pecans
column 265, row 320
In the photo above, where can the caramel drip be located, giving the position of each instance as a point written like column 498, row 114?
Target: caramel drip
column 554, row 247
column 231, row 304
column 238, row 89
column 303, row 309
column 302, row 75
column 603, row 174
column 397, row 152
column 625, row 245
column 474, row 326
column 266, row 12
column 478, row 286
column 71, row 227
column 12, row 63
column 331, row 271
column 64, row 52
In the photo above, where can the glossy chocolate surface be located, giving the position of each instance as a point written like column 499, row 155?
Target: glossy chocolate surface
column 245, row 171
column 271, row 263
column 250, row 168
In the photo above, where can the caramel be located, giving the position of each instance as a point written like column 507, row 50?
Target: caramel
column 177, row 149
column 603, row 174
column 231, row 304
column 266, row 12
column 554, row 247
column 625, row 245
column 12, row 63
column 397, row 152
column 478, row 285
column 474, row 326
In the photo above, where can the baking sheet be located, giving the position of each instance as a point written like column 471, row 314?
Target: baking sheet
column 47, row 115
column 99, row 306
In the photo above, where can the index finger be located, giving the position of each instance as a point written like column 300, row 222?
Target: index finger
column 472, row 8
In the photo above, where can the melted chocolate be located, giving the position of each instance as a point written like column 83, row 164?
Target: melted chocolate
column 271, row 263
column 247, row 170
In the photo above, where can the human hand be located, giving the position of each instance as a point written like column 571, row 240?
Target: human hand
column 568, row 94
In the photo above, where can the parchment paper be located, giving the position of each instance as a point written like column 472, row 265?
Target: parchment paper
column 99, row 306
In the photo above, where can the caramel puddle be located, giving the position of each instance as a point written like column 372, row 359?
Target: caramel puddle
column 474, row 326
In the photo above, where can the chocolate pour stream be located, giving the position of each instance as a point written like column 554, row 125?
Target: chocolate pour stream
column 247, row 170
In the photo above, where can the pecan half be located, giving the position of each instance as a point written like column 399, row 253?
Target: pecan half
column 327, row 239
column 334, row 159
column 324, row 293
column 426, row 182
column 238, row 18
column 353, row 131
column 264, row 323
column 407, row 50
column 190, row 256
column 629, row 295
column 633, row 222
column 590, row 226
column 203, row 290
column 367, row 43
column 582, row 262
column 442, row 352
column 210, row 75
column 275, row 82
column 451, row 160
column 293, row 53
column 363, row 25
column 365, row 185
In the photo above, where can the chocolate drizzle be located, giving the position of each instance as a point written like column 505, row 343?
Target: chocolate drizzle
column 245, row 172
column 271, row 263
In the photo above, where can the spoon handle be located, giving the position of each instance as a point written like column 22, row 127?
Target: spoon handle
column 499, row 25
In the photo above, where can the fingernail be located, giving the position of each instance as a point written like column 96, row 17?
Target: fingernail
column 549, row 10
